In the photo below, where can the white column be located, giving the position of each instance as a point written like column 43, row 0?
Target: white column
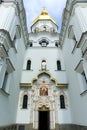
column 35, row 121
column 31, row 108
column 31, row 115
column 56, row 116
column 52, row 119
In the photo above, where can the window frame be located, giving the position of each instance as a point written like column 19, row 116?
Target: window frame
column 44, row 43
column 43, row 66
column 5, row 80
column 59, row 65
column 82, row 79
column 7, row 67
column 25, row 102
column 62, row 101
column 28, row 66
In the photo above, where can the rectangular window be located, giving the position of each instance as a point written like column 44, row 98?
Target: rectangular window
column 43, row 44
column 80, row 68
column 5, row 81
column 84, row 77
column 14, row 40
column 82, row 82
column 6, row 68
column 72, row 37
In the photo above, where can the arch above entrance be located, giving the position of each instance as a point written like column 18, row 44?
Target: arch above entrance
column 47, row 74
column 43, row 108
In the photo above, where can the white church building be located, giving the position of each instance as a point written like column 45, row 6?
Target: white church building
column 43, row 74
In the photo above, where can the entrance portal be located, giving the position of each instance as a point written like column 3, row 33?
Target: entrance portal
column 44, row 120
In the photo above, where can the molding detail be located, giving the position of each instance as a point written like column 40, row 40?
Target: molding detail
column 3, row 52
column 47, row 73
column 25, row 85
column 62, row 85
column 66, row 17
column 83, row 44
column 79, row 67
column 10, row 67
column 20, row 11
column 5, row 39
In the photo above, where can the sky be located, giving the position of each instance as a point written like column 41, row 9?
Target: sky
column 33, row 9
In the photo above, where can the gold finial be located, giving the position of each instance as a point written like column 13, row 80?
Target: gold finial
column 44, row 12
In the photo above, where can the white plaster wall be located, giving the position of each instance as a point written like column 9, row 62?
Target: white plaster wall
column 79, row 20
column 77, row 102
column 35, row 38
column 36, row 55
column 8, row 19
column 39, row 24
column 9, row 103
column 80, row 12
column 64, row 115
column 23, row 115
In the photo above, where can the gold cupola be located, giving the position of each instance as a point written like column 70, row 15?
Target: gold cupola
column 44, row 16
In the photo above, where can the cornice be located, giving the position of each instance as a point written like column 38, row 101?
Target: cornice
column 82, row 39
column 5, row 37
column 22, row 17
column 66, row 17
column 10, row 66
column 62, row 85
column 25, row 85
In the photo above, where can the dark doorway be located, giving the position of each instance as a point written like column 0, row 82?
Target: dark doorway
column 44, row 120
column 21, row 127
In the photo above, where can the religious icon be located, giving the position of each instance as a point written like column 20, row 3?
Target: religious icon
column 44, row 91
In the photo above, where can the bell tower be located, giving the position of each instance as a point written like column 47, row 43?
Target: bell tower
column 43, row 81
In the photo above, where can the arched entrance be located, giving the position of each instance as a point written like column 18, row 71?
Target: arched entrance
column 44, row 118
column 43, row 101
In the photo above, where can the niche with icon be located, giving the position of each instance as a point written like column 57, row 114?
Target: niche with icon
column 43, row 91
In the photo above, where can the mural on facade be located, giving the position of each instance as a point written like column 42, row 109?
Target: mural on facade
column 43, row 91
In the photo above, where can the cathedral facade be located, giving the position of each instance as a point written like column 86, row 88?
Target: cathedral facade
column 43, row 74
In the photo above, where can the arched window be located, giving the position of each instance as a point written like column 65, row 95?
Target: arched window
column 5, row 80
column 43, row 65
column 44, row 43
column 62, row 101
column 58, row 65
column 31, row 44
column 28, row 65
column 25, row 100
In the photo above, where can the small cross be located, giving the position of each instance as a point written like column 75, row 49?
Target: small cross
column 44, row 7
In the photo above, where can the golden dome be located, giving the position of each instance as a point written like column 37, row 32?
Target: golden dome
column 44, row 16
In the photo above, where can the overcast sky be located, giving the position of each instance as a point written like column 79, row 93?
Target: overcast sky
column 33, row 9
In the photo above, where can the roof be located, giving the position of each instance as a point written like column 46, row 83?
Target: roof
column 44, row 16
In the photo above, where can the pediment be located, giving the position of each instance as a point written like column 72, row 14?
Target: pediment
column 44, row 77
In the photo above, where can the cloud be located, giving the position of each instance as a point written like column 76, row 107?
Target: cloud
column 54, row 7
